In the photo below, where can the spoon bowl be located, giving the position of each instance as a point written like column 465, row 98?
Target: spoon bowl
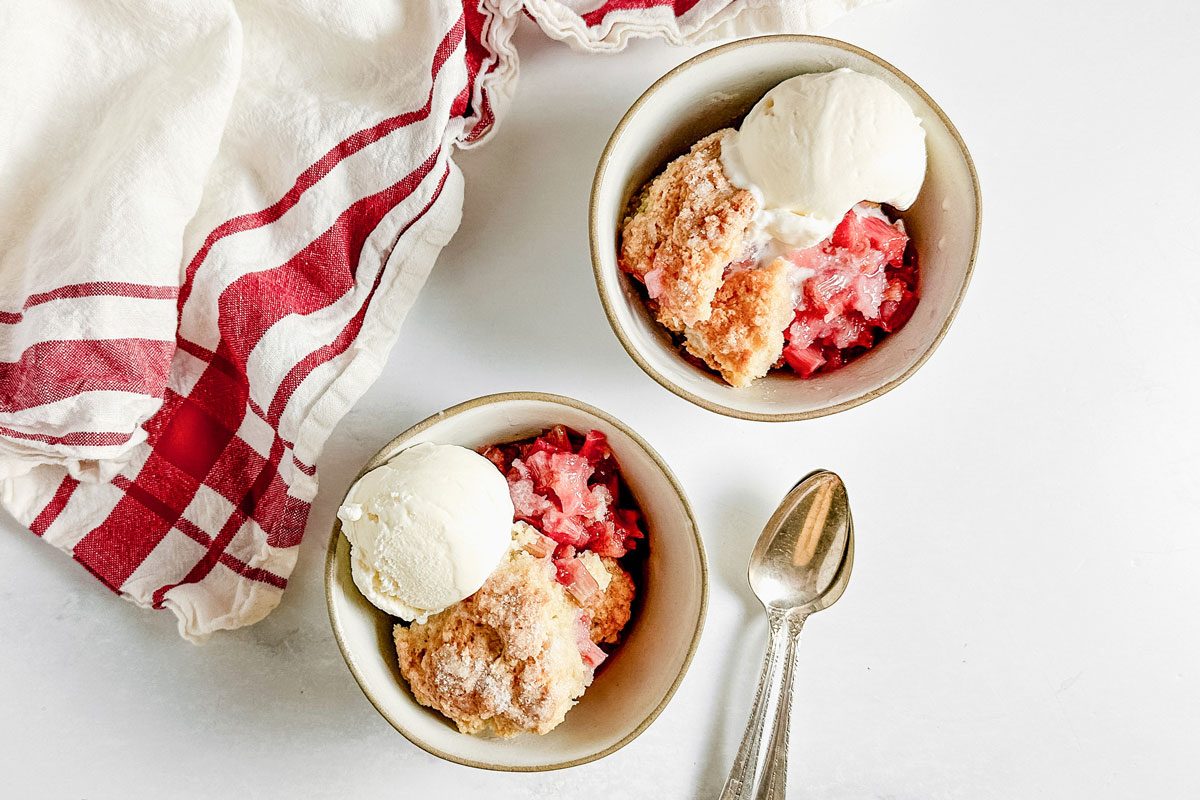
column 802, row 559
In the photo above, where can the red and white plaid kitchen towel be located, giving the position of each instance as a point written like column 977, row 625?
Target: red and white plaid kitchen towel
column 214, row 216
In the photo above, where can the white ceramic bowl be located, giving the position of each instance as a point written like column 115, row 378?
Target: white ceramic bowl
column 634, row 684
column 714, row 90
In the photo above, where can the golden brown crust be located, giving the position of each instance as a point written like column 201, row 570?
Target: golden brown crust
column 610, row 610
column 689, row 223
column 744, row 336
column 507, row 657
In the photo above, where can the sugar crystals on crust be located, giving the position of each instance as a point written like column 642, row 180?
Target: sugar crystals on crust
column 506, row 657
column 687, row 225
column 744, row 336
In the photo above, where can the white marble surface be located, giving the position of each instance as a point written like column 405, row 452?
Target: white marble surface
column 1021, row 622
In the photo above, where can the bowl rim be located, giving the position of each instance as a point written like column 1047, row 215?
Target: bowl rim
column 601, row 279
column 478, row 402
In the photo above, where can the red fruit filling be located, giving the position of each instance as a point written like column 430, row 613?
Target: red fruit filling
column 862, row 286
column 569, row 488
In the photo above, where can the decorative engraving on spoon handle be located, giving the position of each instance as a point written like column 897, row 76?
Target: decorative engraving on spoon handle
column 748, row 762
column 775, row 762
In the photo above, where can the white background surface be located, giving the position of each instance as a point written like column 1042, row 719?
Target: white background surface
column 1022, row 617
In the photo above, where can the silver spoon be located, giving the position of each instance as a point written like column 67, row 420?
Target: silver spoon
column 800, row 565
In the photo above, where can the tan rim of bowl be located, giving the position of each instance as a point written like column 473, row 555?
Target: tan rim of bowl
column 596, row 235
column 331, row 566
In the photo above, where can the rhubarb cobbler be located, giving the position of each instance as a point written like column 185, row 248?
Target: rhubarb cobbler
column 517, row 654
column 778, row 245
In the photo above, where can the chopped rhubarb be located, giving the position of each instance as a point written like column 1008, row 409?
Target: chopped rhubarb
column 895, row 290
column 564, row 529
column 605, row 475
column 496, row 456
column 589, row 651
column 569, row 475
column 558, row 438
column 859, row 287
column 540, row 546
column 592, row 655
column 607, row 540
column 851, row 233
column 654, row 282
column 616, row 536
column 895, row 313
column 804, row 360
column 540, row 469
column 595, row 447
column 601, row 499
column 538, row 445
column 885, row 238
column 528, row 504
column 574, row 575
column 627, row 522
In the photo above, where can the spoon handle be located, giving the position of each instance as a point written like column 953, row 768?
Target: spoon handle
column 749, row 759
column 774, row 779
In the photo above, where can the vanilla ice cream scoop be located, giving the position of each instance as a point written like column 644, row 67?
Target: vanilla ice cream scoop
column 426, row 529
column 817, row 144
